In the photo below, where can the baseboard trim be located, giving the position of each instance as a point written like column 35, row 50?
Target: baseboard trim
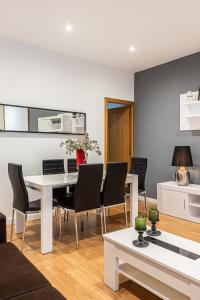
column 36, row 216
column 151, row 200
column 30, row 217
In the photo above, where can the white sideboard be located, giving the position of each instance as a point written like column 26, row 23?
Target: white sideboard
column 179, row 201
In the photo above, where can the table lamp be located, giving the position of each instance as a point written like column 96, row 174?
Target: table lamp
column 182, row 158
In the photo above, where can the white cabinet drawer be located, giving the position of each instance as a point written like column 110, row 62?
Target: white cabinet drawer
column 174, row 203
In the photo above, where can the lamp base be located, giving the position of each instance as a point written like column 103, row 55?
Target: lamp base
column 182, row 177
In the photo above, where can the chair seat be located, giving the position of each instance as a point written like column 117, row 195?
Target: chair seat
column 141, row 191
column 127, row 191
column 56, row 203
column 67, row 201
column 59, row 192
column 34, row 205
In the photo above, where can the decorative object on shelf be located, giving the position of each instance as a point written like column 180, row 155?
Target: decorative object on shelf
column 153, row 217
column 182, row 158
column 140, row 226
column 189, row 96
column 81, row 145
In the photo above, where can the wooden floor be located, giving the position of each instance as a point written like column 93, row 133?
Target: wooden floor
column 78, row 274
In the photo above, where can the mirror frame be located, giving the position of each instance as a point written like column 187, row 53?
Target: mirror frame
column 45, row 132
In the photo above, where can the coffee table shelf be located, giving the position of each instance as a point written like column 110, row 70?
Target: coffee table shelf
column 153, row 285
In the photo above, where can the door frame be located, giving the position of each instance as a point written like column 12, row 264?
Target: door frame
column 131, row 123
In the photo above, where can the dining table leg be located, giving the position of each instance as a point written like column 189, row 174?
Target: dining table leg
column 46, row 220
column 133, row 198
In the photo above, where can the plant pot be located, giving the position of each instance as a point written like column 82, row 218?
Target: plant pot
column 80, row 157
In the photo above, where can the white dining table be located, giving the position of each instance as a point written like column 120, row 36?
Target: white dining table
column 45, row 184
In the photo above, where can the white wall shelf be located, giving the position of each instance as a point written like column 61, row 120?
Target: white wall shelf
column 192, row 103
column 189, row 112
column 193, row 116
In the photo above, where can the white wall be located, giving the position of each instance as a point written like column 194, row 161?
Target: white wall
column 36, row 77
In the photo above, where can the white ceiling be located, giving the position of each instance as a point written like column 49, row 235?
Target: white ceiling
column 160, row 30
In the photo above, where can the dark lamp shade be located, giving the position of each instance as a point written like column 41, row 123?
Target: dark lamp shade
column 182, row 157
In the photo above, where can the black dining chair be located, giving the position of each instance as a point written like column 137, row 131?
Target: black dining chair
column 72, row 168
column 113, row 188
column 87, row 194
column 71, row 165
column 53, row 167
column 139, row 167
column 20, row 197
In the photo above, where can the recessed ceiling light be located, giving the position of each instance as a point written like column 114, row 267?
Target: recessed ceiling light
column 69, row 27
column 132, row 49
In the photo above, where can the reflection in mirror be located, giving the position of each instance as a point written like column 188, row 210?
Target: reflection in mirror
column 15, row 118
column 1, row 117
column 42, row 120
column 29, row 119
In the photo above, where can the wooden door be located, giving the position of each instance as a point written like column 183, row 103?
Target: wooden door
column 119, row 135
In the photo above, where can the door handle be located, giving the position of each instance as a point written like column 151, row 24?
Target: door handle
column 184, row 203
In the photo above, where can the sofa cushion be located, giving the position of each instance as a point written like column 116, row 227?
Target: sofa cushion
column 47, row 293
column 17, row 274
column 2, row 228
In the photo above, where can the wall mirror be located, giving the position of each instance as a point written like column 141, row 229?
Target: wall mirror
column 40, row 120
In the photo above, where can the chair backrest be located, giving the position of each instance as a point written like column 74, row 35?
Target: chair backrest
column 114, row 184
column 71, row 165
column 20, row 194
column 139, row 167
column 88, row 188
column 53, row 166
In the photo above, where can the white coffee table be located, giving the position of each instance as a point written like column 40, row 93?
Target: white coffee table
column 167, row 274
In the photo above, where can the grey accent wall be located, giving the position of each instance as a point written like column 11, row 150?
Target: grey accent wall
column 157, row 113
